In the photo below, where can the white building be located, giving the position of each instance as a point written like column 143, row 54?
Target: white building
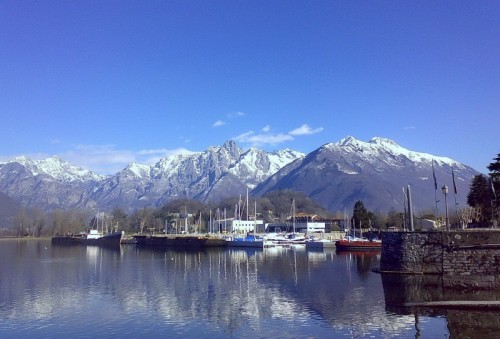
column 311, row 227
column 300, row 227
column 231, row 225
column 245, row 226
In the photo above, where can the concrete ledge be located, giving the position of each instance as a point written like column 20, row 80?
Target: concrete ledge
column 461, row 304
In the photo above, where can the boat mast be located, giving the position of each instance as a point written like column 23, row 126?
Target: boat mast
column 255, row 217
column 239, row 208
column 225, row 219
column 186, row 220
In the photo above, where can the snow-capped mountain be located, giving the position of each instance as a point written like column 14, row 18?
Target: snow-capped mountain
column 210, row 175
column 57, row 169
column 48, row 183
column 338, row 174
column 335, row 175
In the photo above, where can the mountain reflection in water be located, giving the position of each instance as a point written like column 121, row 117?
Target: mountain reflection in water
column 79, row 291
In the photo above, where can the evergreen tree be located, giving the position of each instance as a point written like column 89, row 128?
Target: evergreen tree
column 480, row 196
column 494, row 168
column 361, row 216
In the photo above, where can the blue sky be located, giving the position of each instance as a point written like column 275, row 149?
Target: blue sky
column 105, row 83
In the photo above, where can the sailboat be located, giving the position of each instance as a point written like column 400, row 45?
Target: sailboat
column 353, row 243
column 251, row 239
column 292, row 238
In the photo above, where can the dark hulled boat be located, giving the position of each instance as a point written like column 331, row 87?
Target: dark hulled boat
column 179, row 241
column 358, row 244
column 92, row 239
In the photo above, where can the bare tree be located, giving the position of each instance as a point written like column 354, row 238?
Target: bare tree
column 467, row 215
column 38, row 219
column 21, row 221
column 145, row 218
column 56, row 224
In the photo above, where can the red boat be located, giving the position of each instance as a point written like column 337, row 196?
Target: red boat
column 358, row 244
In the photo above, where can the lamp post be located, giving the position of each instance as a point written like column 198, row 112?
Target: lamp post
column 445, row 192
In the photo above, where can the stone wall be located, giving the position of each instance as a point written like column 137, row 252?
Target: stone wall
column 464, row 258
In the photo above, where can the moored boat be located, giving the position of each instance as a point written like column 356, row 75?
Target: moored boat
column 110, row 239
column 97, row 236
column 250, row 240
column 358, row 244
column 320, row 244
column 293, row 239
column 92, row 239
column 179, row 241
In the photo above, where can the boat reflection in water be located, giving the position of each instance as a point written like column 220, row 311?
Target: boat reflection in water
column 261, row 292
column 225, row 293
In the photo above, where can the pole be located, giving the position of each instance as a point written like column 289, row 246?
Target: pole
column 404, row 205
column 445, row 191
column 186, row 220
column 436, row 199
column 410, row 209
column 255, row 218
column 446, row 205
column 455, row 192
column 435, row 190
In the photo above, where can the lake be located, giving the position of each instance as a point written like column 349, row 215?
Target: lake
column 87, row 292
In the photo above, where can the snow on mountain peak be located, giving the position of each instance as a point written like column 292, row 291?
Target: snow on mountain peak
column 383, row 141
column 139, row 170
column 348, row 141
column 379, row 147
column 57, row 168
column 23, row 160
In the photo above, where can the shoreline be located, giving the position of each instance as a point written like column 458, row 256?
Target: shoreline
column 26, row 238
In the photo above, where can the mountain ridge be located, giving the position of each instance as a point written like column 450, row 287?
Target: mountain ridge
column 339, row 174
column 334, row 174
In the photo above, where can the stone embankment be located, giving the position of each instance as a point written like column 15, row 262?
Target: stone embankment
column 462, row 258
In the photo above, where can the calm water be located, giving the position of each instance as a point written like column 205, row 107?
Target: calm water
column 78, row 291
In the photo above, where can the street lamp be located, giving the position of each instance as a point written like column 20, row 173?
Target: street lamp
column 445, row 192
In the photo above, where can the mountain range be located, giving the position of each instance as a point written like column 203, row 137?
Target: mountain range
column 334, row 175
column 338, row 174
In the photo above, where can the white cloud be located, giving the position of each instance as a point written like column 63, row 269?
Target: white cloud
column 233, row 115
column 267, row 138
column 256, row 140
column 407, row 128
column 305, row 129
column 107, row 159
column 150, row 157
column 219, row 123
